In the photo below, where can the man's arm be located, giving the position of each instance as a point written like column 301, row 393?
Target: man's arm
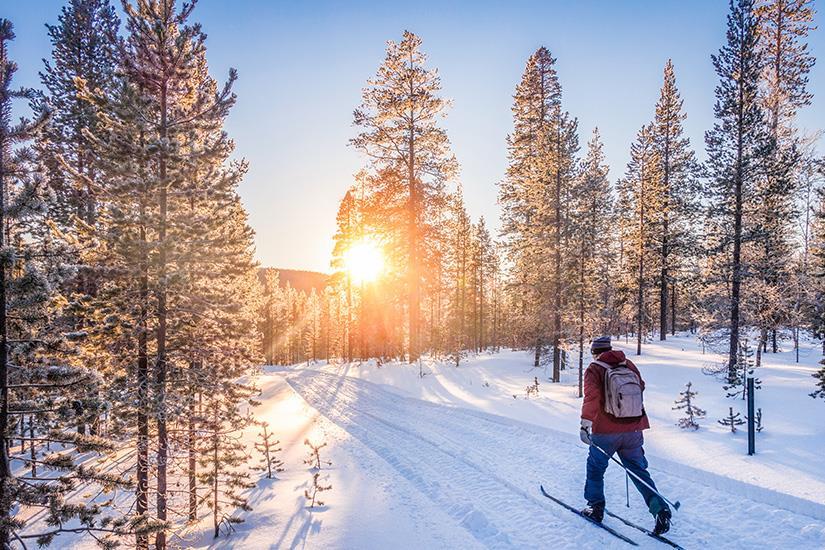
column 592, row 395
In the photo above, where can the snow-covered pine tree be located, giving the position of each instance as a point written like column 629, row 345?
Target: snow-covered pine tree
column 534, row 196
column 311, row 494
column 687, row 404
column 314, row 460
column 784, row 27
column 679, row 202
column 35, row 382
column 592, row 225
column 84, row 48
column 410, row 143
column 222, row 457
column 268, row 447
column 732, row 420
column 459, row 261
column 757, row 420
column 269, row 314
column 736, row 381
column 348, row 223
column 483, row 266
column 640, row 216
column 817, row 314
column 174, row 238
column 737, row 148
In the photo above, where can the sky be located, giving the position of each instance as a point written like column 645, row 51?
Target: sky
column 302, row 66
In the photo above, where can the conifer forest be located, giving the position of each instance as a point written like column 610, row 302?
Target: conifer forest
column 165, row 384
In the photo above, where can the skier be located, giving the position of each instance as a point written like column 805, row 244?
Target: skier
column 612, row 419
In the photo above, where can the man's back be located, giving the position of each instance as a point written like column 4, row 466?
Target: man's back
column 593, row 406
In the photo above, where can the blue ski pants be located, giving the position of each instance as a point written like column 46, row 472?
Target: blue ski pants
column 628, row 445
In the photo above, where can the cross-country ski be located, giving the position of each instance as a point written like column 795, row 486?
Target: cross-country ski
column 589, row 519
column 647, row 532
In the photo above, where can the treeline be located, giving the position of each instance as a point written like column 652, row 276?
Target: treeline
column 727, row 248
column 128, row 293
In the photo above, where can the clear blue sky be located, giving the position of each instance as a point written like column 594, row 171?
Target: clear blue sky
column 302, row 65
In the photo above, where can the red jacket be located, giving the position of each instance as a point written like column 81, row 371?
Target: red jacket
column 593, row 406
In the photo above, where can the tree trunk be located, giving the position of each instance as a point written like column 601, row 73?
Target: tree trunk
column 160, row 365
column 142, row 490
column 215, row 472
column 673, row 308
column 736, row 260
column 5, row 464
column 641, row 251
column 192, row 456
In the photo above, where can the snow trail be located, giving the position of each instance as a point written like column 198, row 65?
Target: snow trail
column 484, row 470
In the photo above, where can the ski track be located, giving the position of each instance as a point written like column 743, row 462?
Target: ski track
column 484, row 471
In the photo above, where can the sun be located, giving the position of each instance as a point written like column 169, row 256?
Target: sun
column 364, row 260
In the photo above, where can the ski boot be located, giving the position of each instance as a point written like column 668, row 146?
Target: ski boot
column 662, row 522
column 594, row 512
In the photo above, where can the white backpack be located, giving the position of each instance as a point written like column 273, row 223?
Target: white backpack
column 622, row 391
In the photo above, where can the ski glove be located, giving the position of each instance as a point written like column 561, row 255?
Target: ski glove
column 584, row 432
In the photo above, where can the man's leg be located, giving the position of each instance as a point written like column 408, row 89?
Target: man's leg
column 632, row 455
column 596, row 466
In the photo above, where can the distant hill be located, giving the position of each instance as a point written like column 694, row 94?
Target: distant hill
column 300, row 280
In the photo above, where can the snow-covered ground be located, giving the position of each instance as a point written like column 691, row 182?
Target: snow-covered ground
column 454, row 460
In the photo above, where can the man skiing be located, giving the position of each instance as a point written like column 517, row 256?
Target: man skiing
column 612, row 419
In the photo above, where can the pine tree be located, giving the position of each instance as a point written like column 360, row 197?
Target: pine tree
column 784, row 27
column 460, row 259
column 269, row 449
column 640, row 205
column 534, row 194
column 737, row 147
column 757, row 420
column 314, row 458
column 692, row 412
column 35, row 382
column 311, row 494
column 679, row 188
column 349, row 225
column 223, row 457
column 408, row 141
column 592, row 228
column 736, row 382
column 820, row 381
column 732, row 420
column 85, row 49
column 176, row 243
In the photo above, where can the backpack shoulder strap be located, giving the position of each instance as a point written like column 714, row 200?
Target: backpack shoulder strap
column 603, row 364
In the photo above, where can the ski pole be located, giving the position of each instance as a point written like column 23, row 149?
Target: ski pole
column 627, row 488
column 675, row 505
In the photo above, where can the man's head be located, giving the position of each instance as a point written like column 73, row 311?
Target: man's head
column 600, row 344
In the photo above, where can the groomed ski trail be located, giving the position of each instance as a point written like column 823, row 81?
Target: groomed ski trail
column 482, row 470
